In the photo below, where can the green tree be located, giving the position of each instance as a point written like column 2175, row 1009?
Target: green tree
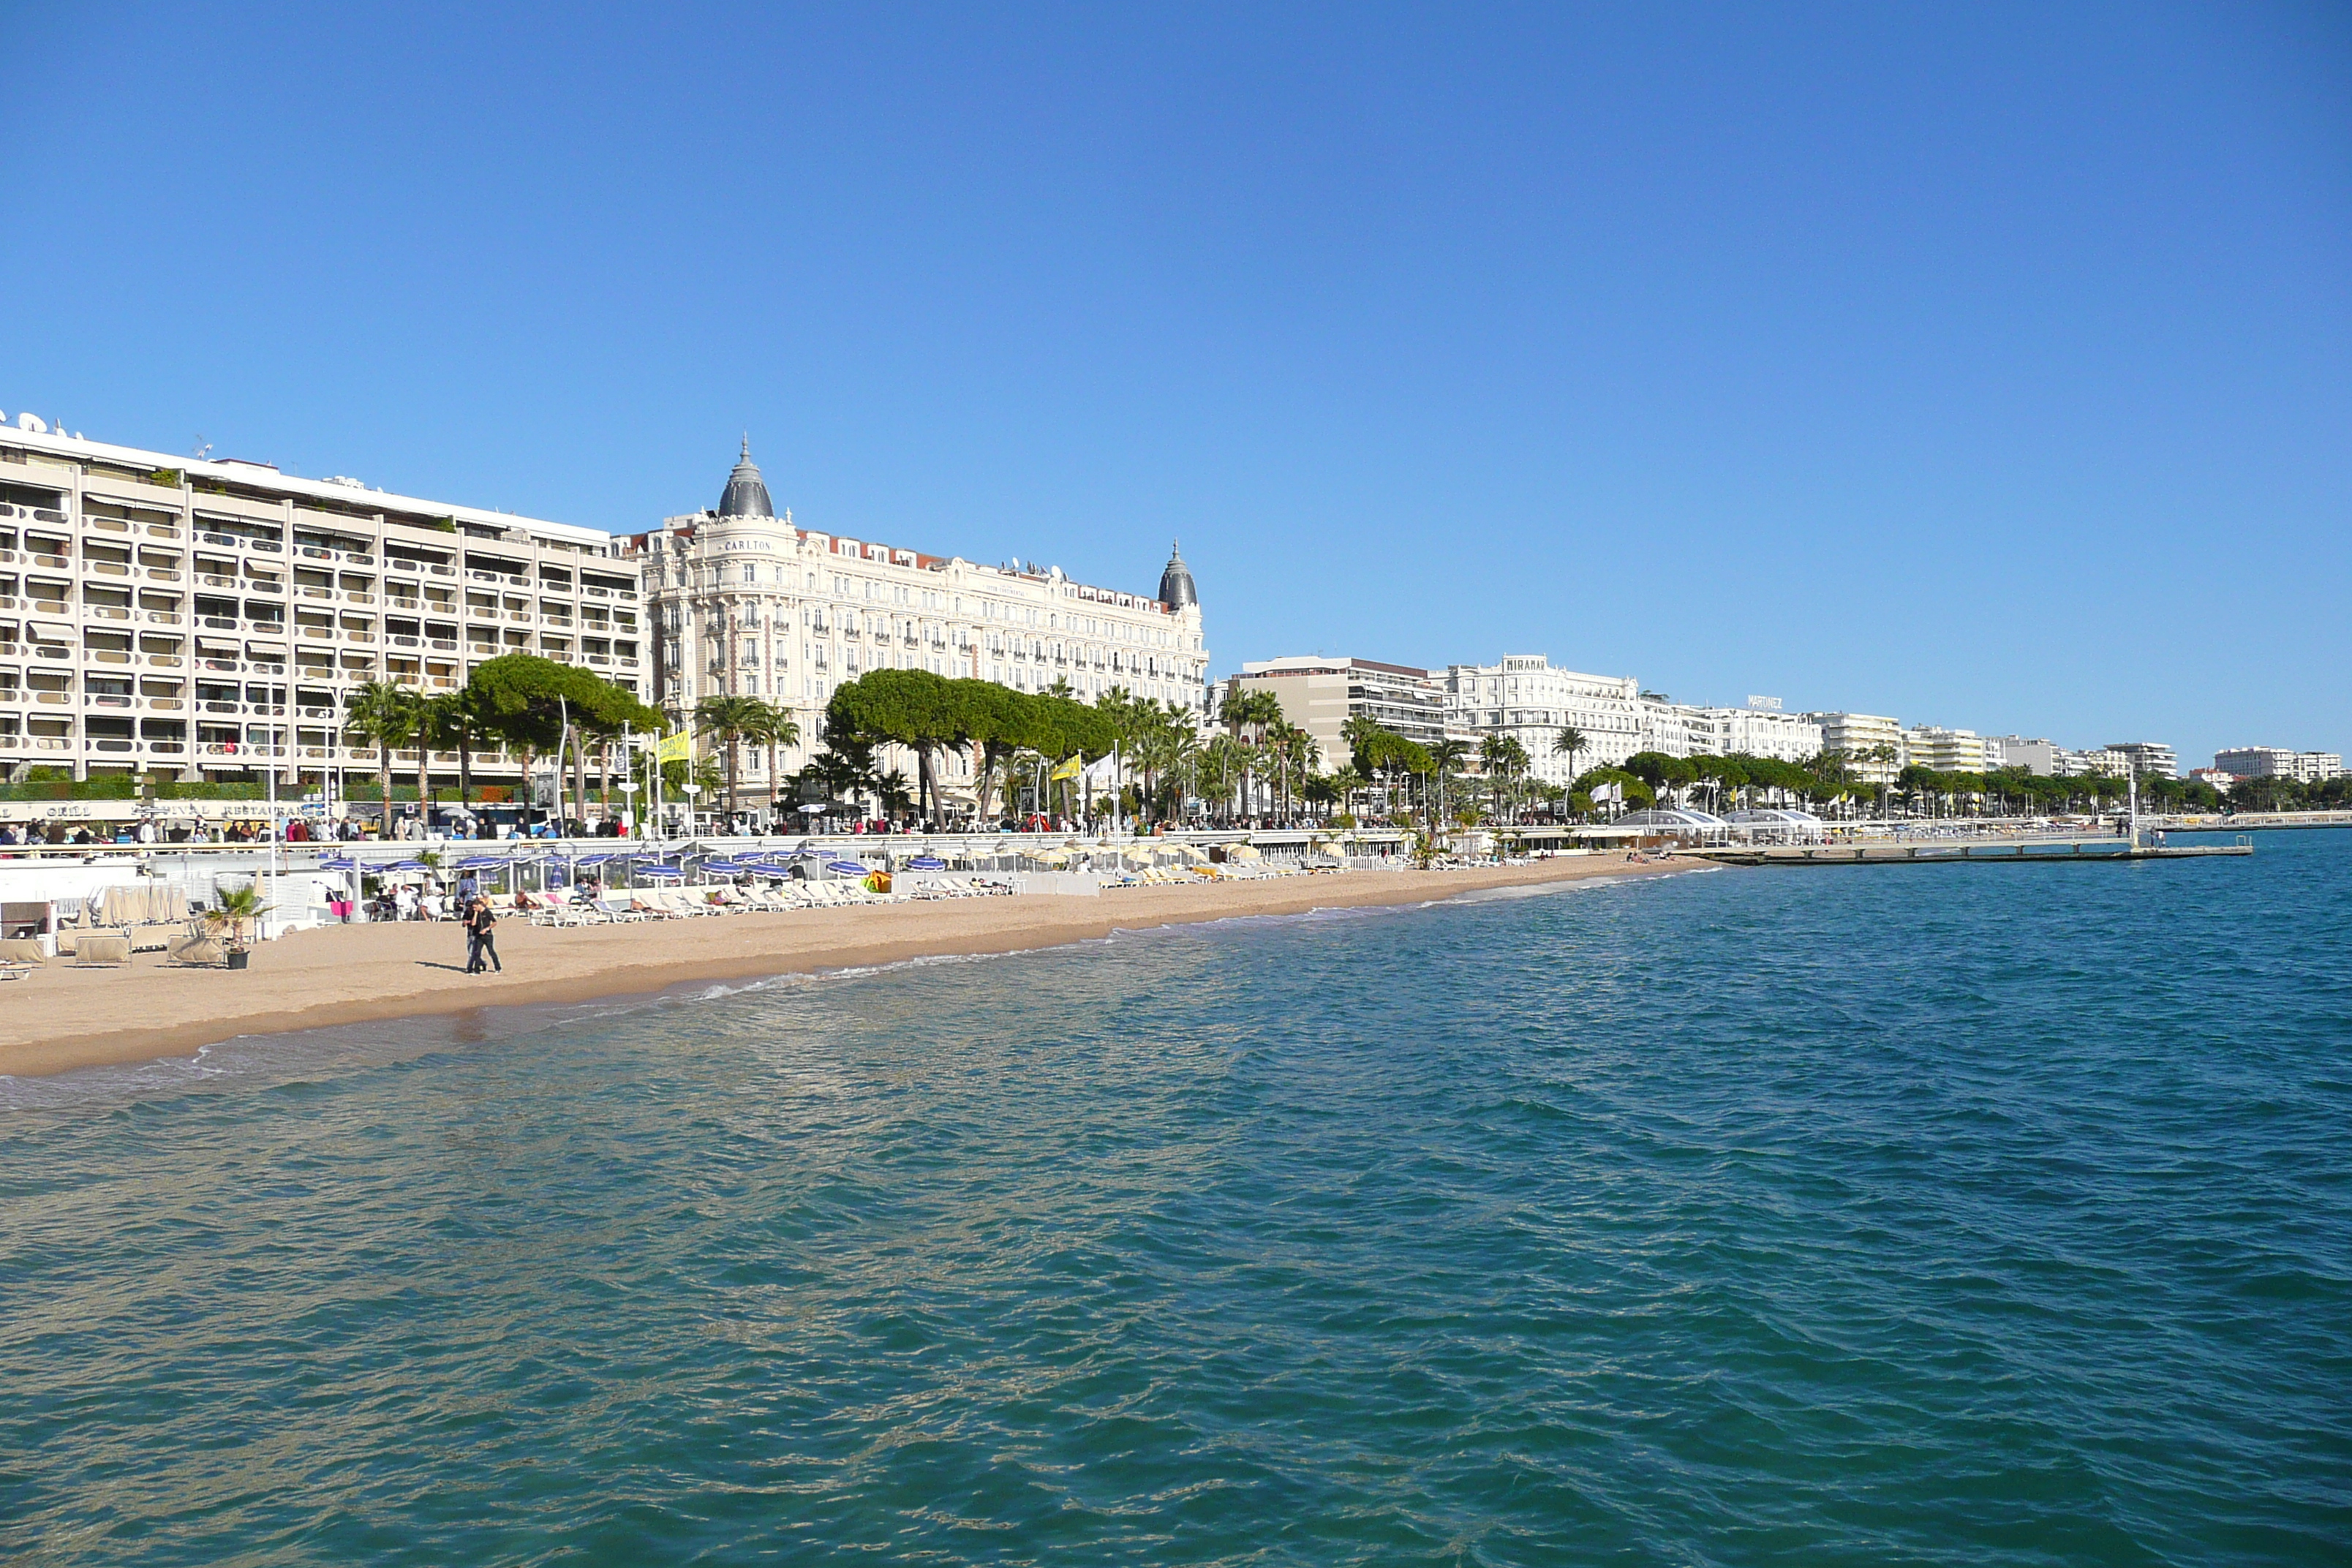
column 730, row 721
column 388, row 717
column 1571, row 743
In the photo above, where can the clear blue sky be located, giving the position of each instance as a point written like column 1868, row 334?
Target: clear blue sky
column 1983, row 366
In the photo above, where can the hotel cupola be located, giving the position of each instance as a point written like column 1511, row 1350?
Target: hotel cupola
column 747, row 492
column 1176, row 589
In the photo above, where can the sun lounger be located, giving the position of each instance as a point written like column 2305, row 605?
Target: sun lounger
column 199, row 947
column 97, row 951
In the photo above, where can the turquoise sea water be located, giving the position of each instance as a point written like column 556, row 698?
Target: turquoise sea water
column 1992, row 1215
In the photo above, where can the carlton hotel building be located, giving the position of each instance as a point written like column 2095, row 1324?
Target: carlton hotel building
column 745, row 604
column 209, row 620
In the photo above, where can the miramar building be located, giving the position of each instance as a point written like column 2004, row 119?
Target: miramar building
column 208, row 620
column 745, row 602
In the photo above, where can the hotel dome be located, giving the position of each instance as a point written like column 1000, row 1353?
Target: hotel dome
column 747, row 493
column 1176, row 589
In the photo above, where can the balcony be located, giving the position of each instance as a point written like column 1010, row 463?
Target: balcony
column 104, row 700
column 108, row 568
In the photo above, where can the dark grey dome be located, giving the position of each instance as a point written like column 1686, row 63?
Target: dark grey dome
column 747, row 493
column 1176, row 589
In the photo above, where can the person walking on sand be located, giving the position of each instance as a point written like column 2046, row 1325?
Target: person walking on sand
column 480, row 943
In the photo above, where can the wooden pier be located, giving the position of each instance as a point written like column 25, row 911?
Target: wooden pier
column 1951, row 852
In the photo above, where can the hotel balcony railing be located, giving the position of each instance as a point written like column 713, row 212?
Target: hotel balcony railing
column 161, row 574
column 108, row 568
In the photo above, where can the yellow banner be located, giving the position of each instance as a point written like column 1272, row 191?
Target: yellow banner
column 677, row 748
column 1068, row 770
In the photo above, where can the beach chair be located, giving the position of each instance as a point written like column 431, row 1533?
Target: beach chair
column 620, row 908
column 197, row 947
column 101, row 951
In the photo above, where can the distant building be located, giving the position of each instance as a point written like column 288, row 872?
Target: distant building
column 1946, row 750
column 2277, row 762
column 2069, row 764
column 2215, row 776
column 2147, row 759
column 1320, row 696
column 2035, row 756
column 745, row 602
column 1858, row 737
column 1526, row 697
column 1754, row 732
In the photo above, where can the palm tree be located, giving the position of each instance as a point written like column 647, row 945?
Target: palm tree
column 1571, row 743
column 731, row 720
column 1447, row 756
column 386, row 716
column 1249, row 710
column 779, row 730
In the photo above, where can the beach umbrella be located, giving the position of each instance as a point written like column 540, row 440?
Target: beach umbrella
column 927, row 863
column 658, row 871
column 846, row 868
column 339, row 863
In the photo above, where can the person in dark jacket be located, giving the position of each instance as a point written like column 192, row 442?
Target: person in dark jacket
column 481, row 944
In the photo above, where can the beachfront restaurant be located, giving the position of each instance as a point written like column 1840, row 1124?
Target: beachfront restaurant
column 1773, row 825
column 1673, row 828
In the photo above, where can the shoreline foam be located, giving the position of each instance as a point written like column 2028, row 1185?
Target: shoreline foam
column 60, row 1019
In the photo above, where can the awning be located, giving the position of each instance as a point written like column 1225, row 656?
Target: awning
column 220, row 648
column 269, row 650
column 50, row 631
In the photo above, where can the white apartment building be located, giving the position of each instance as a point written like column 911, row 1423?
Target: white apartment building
column 1754, row 731
column 2148, row 758
column 2278, row 761
column 1858, row 737
column 1946, row 750
column 746, row 604
column 208, row 619
column 2078, row 764
column 1525, row 698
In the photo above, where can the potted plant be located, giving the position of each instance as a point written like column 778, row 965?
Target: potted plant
column 236, row 911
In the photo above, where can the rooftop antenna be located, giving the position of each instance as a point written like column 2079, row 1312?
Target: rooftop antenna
column 202, row 449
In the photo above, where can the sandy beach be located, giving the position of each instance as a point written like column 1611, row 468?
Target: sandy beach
column 60, row 1018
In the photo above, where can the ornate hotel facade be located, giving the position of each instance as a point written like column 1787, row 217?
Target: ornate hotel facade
column 744, row 603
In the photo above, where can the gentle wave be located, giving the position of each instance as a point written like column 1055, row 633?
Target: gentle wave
column 1750, row 1216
